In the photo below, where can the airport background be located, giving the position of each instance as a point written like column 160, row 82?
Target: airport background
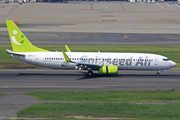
column 53, row 25
column 65, row 1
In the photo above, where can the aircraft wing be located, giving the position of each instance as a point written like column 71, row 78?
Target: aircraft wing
column 82, row 64
column 88, row 65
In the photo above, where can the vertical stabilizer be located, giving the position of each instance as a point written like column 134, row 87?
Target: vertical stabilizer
column 19, row 41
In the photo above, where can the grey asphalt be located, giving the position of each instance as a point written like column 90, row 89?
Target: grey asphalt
column 14, row 83
column 74, row 24
column 79, row 38
column 22, row 81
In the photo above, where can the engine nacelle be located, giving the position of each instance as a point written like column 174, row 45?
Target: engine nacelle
column 111, row 69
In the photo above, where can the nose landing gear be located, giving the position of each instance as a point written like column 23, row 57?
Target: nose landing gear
column 158, row 72
column 90, row 73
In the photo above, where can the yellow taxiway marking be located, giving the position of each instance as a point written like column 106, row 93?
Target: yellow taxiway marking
column 120, row 24
column 91, row 6
column 107, row 15
column 122, row 7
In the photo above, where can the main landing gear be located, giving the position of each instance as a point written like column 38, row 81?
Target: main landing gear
column 90, row 73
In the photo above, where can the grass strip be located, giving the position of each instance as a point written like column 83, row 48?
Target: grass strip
column 4, row 36
column 109, row 96
column 18, row 65
column 122, row 110
column 172, row 52
column 73, row 118
column 19, row 25
column 1, row 94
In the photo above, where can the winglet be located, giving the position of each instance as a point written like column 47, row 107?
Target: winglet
column 66, row 57
column 67, row 48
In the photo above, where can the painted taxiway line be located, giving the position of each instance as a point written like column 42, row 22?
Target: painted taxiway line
column 120, row 24
column 160, row 6
column 122, row 7
column 8, row 12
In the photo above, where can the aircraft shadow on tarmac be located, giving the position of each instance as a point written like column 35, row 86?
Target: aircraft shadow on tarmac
column 84, row 75
column 128, row 76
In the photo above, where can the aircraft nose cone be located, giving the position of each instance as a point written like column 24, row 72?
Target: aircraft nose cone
column 172, row 64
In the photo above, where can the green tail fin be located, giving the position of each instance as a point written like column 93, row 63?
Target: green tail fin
column 19, row 41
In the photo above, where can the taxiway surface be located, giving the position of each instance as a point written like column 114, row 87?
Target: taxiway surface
column 109, row 23
column 80, row 38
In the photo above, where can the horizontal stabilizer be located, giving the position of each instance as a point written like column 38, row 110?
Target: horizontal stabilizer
column 11, row 52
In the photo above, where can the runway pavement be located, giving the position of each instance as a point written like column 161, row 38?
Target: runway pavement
column 14, row 83
column 22, row 81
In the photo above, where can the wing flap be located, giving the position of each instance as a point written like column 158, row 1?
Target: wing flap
column 88, row 64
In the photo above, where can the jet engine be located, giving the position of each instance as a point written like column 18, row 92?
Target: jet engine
column 110, row 69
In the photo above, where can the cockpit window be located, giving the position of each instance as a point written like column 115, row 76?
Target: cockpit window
column 165, row 59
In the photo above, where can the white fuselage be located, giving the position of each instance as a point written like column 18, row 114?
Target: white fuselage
column 124, row 61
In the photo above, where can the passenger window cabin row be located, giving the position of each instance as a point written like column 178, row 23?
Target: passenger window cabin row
column 96, row 59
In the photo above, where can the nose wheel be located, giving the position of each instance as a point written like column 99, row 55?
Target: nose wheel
column 158, row 74
column 90, row 73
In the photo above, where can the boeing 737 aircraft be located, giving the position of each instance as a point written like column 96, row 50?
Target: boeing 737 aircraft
column 105, row 63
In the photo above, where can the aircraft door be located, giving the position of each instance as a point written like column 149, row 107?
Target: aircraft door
column 155, row 60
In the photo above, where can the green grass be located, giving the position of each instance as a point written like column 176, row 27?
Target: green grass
column 4, row 25
column 18, row 65
column 172, row 52
column 4, row 36
column 122, row 110
column 72, row 118
column 1, row 94
column 109, row 96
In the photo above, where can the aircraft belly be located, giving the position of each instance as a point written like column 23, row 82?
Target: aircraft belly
column 57, row 65
column 135, row 68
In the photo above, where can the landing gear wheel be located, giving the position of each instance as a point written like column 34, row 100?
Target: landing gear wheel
column 158, row 74
column 90, row 73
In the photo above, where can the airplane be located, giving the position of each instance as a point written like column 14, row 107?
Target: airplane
column 104, row 62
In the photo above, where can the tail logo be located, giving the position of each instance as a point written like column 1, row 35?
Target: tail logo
column 14, row 38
